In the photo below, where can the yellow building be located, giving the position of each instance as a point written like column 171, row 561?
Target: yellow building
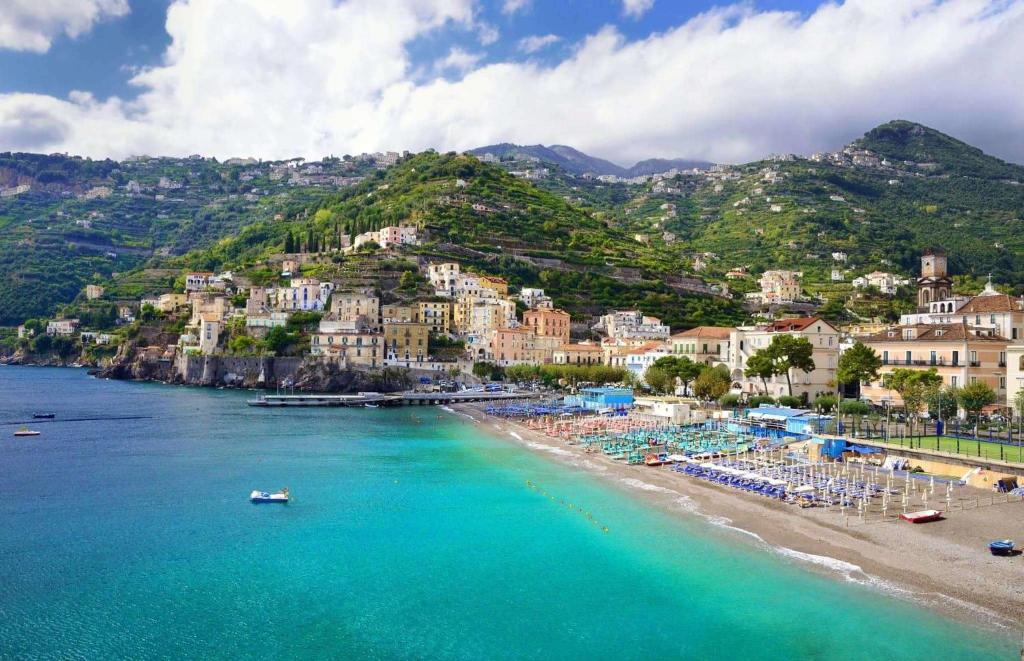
column 436, row 314
column 702, row 344
column 495, row 284
column 398, row 314
column 406, row 341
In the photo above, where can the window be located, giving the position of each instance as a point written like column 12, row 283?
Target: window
column 885, row 358
column 954, row 381
column 1013, row 333
column 909, row 360
column 933, row 359
column 956, row 358
column 1002, row 383
column 974, row 357
column 974, row 379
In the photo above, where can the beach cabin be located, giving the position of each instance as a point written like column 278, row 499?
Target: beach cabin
column 595, row 399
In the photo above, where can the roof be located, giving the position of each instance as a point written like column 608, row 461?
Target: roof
column 992, row 303
column 777, row 412
column 645, row 348
column 717, row 332
column 934, row 333
column 580, row 347
column 795, row 325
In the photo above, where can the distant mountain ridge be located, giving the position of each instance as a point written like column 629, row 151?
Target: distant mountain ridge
column 575, row 161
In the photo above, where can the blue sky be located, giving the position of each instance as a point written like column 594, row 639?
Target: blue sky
column 623, row 79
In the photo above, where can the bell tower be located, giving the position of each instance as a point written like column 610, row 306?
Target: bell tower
column 934, row 283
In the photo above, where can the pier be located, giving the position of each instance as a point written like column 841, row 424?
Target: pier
column 382, row 399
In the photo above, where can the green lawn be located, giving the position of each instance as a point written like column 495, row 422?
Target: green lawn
column 966, row 447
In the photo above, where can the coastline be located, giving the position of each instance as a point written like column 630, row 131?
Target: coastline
column 945, row 567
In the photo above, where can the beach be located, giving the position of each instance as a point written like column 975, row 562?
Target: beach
column 944, row 565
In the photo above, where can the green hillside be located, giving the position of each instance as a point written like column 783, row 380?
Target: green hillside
column 902, row 188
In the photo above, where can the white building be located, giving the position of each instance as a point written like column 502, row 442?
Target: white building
column 632, row 324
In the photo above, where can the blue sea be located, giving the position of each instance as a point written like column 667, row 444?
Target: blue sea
column 411, row 534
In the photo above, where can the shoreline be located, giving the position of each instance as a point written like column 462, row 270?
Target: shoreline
column 943, row 567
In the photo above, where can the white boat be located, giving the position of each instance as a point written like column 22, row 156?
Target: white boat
column 25, row 431
column 267, row 497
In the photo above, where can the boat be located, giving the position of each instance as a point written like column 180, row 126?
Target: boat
column 25, row 431
column 267, row 497
column 44, row 416
column 922, row 516
column 371, row 406
column 1001, row 547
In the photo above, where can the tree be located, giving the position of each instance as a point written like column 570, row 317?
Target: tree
column 942, row 404
column 760, row 366
column 858, row 364
column 277, row 339
column 788, row 352
column 975, row 396
column 407, row 280
column 914, row 387
column 289, row 243
column 659, row 379
column 1018, row 403
column 710, row 385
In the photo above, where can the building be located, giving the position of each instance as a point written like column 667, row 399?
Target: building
column 638, row 360
column 606, row 397
column 359, row 307
column 92, row 292
column 172, row 302
column 631, row 324
column 513, row 346
column 1014, row 376
column 961, row 354
column 62, row 327
column 702, row 344
column 435, row 314
column 498, row 285
column 398, row 314
column 548, row 323
column 780, row 286
column 209, row 333
column 479, row 316
column 443, row 277
column 991, row 310
column 289, row 267
column 266, row 319
column 197, row 281
column 346, row 342
column 934, row 283
column 406, row 341
column 534, row 298
column 886, row 283
column 745, row 341
column 668, row 410
column 584, row 353
column 305, row 294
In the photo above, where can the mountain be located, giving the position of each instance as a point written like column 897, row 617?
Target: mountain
column 576, row 162
column 901, row 140
column 901, row 188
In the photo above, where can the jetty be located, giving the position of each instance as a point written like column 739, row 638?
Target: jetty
column 372, row 399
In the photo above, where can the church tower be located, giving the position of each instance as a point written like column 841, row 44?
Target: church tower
column 934, row 283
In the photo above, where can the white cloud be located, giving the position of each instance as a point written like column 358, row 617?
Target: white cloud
column 457, row 60
column 515, row 6
column 636, row 8
column 534, row 43
column 259, row 77
column 487, row 34
column 31, row 25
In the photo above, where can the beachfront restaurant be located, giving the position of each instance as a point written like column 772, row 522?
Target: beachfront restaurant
column 778, row 420
column 598, row 398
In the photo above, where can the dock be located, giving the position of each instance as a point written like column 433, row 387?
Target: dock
column 382, row 399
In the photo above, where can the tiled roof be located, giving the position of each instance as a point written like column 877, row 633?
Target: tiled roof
column 793, row 325
column 717, row 332
column 989, row 304
column 934, row 333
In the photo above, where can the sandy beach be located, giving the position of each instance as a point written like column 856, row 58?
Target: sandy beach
column 944, row 565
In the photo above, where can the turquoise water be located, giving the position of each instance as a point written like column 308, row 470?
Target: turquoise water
column 405, row 539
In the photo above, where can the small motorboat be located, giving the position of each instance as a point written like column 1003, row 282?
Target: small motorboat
column 44, row 416
column 922, row 516
column 267, row 497
column 25, row 431
column 371, row 406
column 1001, row 547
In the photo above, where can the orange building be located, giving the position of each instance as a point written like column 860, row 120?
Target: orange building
column 547, row 322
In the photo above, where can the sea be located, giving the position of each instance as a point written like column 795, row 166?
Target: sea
column 126, row 532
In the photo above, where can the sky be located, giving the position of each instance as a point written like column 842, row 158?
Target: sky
column 619, row 79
